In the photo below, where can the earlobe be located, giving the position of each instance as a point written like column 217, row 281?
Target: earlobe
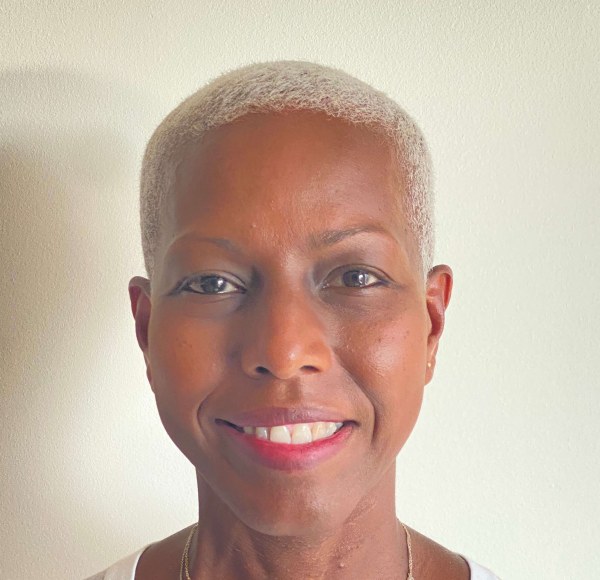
column 438, row 292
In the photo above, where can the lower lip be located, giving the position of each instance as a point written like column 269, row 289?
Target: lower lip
column 288, row 457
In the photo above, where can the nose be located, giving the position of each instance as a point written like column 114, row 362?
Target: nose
column 285, row 338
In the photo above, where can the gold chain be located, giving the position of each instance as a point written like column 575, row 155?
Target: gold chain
column 185, row 558
column 409, row 548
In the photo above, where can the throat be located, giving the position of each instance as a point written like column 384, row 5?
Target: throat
column 370, row 543
column 257, row 557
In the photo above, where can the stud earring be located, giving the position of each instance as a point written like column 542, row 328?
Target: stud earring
column 428, row 365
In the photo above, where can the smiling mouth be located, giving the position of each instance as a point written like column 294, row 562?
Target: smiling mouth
column 293, row 434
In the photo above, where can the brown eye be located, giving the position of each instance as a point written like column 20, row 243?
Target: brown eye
column 355, row 278
column 211, row 284
column 358, row 278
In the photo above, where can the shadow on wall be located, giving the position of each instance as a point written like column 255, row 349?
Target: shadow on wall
column 67, row 208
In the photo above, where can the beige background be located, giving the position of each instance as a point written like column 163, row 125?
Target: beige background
column 504, row 464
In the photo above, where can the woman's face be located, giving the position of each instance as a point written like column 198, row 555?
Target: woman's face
column 287, row 292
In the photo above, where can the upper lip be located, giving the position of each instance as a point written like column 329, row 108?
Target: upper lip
column 269, row 417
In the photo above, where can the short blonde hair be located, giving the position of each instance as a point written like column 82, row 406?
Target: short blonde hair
column 274, row 87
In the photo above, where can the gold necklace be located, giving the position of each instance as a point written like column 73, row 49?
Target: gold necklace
column 409, row 548
column 185, row 557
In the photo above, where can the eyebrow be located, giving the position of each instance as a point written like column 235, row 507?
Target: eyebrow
column 331, row 237
column 219, row 242
column 323, row 239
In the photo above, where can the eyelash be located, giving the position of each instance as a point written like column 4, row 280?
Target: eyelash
column 380, row 279
column 185, row 284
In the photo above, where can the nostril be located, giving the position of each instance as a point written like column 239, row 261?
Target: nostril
column 310, row 369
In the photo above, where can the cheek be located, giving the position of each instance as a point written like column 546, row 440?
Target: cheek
column 389, row 349
column 387, row 358
column 186, row 367
column 184, row 355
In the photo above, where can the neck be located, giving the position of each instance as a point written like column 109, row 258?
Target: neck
column 369, row 543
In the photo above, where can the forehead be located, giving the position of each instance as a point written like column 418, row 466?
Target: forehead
column 286, row 175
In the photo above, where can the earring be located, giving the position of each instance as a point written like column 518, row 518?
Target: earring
column 428, row 365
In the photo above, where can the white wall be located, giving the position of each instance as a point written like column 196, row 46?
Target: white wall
column 504, row 464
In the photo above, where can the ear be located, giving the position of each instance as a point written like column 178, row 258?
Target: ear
column 141, row 306
column 438, row 291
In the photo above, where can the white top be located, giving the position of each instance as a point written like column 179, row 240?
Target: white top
column 125, row 569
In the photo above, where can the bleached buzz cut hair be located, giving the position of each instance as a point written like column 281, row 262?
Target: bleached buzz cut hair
column 276, row 87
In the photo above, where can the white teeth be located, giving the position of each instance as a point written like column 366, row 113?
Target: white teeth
column 319, row 430
column 280, row 434
column 330, row 429
column 296, row 434
column 262, row 432
column 301, row 434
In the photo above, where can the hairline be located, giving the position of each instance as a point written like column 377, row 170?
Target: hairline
column 190, row 122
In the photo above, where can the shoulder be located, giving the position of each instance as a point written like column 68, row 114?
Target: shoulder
column 124, row 569
column 163, row 559
column 479, row 572
column 156, row 561
column 431, row 560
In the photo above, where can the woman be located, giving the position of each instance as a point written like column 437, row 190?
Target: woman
column 289, row 324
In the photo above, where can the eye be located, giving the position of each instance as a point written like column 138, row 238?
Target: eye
column 210, row 284
column 354, row 278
